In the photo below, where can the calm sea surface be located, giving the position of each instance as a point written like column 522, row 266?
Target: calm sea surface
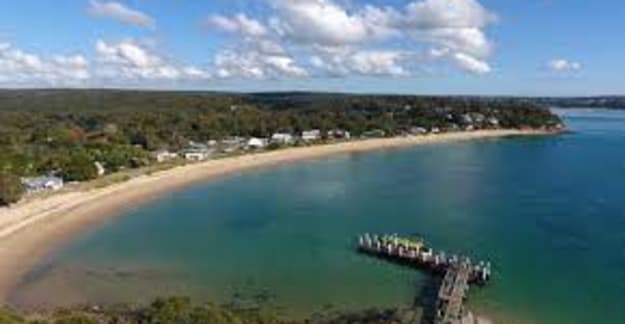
column 548, row 212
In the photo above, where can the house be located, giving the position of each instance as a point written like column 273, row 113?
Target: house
column 231, row 144
column 311, row 135
column 38, row 184
column 282, row 138
column 418, row 131
column 256, row 143
column 196, row 154
column 493, row 121
column 479, row 118
column 339, row 134
column 197, row 146
column 164, row 155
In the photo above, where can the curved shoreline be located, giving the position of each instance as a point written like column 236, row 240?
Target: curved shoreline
column 31, row 229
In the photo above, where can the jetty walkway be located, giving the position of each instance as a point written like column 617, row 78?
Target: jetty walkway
column 458, row 272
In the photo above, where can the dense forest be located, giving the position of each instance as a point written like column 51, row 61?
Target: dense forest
column 65, row 131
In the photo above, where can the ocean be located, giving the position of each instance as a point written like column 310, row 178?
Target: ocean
column 548, row 212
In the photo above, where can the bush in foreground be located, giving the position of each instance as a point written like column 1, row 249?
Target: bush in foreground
column 180, row 310
column 11, row 189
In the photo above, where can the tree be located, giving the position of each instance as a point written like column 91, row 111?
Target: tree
column 79, row 167
column 11, row 188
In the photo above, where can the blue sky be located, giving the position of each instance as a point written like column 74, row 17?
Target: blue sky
column 515, row 47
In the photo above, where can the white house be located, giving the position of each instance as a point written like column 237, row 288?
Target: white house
column 38, row 184
column 311, row 135
column 164, row 155
column 493, row 121
column 256, row 143
column 339, row 134
column 282, row 138
column 197, row 154
column 418, row 131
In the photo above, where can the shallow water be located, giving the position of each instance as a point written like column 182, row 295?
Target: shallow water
column 548, row 212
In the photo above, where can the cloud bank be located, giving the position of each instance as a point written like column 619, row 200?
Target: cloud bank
column 17, row 66
column 293, row 39
column 331, row 39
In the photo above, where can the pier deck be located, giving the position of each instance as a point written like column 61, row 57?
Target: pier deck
column 452, row 294
column 458, row 272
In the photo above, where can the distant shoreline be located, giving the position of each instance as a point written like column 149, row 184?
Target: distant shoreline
column 31, row 229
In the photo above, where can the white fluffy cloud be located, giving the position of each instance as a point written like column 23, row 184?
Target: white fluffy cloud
column 471, row 64
column 292, row 39
column 240, row 23
column 453, row 14
column 257, row 65
column 355, row 40
column 126, row 53
column 320, row 22
column 120, row 12
column 343, row 62
column 130, row 60
column 563, row 65
column 258, row 56
column 116, row 61
column 19, row 67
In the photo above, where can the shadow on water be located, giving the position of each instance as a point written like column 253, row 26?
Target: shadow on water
column 424, row 305
column 427, row 297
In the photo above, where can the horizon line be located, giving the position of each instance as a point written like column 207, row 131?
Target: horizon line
column 301, row 91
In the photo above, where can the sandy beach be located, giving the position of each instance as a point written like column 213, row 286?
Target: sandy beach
column 31, row 229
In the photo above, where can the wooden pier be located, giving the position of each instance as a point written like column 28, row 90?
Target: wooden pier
column 458, row 272
column 452, row 294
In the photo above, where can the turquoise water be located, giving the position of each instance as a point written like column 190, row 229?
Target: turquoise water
column 548, row 212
